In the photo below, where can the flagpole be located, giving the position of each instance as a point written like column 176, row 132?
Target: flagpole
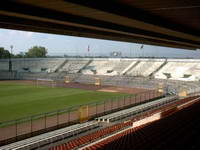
column 89, row 50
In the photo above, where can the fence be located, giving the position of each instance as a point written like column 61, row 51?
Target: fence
column 15, row 130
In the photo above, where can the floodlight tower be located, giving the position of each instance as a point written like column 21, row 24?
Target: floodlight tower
column 11, row 48
column 10, row 61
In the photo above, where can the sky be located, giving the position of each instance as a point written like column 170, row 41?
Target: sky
column 70, row 45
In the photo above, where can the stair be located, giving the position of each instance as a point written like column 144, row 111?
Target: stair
column 61, row 65
column 161, row 66
column 130, row 67
column 89, row 62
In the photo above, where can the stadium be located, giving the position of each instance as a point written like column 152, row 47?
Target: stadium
column 84, row 89
column 100, row 103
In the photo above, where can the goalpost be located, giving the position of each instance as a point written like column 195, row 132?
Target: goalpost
column 46, row 82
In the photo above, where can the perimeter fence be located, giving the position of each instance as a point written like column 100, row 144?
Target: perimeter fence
column 21, row 128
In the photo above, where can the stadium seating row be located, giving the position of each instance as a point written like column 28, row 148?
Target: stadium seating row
column 32, row 65
column 178, row 131
column 101, row 133
column 185, row 70
column 61, row 134
column 90, row 137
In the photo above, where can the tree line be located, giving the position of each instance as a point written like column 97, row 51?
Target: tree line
column 33, row 52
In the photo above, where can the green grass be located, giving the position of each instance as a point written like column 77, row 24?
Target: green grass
column 19, row 100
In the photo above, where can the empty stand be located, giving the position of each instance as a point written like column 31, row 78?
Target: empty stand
column 91, row 137
column 145, row 68
column 174, row 69
column 73, row 66
column 177, row 131
column 4, row 65
column 180, row 70
column 36, row 64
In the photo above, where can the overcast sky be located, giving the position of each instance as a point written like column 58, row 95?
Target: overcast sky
column 60, row 44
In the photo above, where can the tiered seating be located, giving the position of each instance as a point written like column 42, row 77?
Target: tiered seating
column 194, row 72
column 4, row 65
column 36, row 65
column 175, row 69
column 74, row 66
column 114, row 138
column 145, row 68
column 122, row 65
column 107, row 67
column 5, row 75
column 78, row 142
column 91, row 137
column 177, row 131
column 178, row 71
column 94, row 67
column 113, row 67
column 52, row 64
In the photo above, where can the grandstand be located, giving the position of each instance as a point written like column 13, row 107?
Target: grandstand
column 137, row 73
column 106, row 138
column 73, row 66
column 32, row 64
column 100, row 129
column 145, row 68
column 173, row 69
column 104, row 101
column 177, row 131
column 4, row 64
column 149, row 88
column 98, row 97
column 187, row 70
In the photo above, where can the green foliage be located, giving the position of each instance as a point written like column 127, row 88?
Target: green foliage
column 20, row 55
column 36, row 51
column 4, row 53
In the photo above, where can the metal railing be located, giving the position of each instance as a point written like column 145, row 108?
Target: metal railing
column 21, row 128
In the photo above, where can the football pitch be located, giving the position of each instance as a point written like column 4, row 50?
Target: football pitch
column 19, row 100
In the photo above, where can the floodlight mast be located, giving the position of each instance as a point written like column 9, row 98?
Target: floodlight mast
column 10, row 60
column 11, row 47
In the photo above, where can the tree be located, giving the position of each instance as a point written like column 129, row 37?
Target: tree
column 20, row 55
column 4, row 53
column 36, row 51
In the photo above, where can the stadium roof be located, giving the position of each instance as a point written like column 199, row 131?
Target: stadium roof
column 157, row 22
